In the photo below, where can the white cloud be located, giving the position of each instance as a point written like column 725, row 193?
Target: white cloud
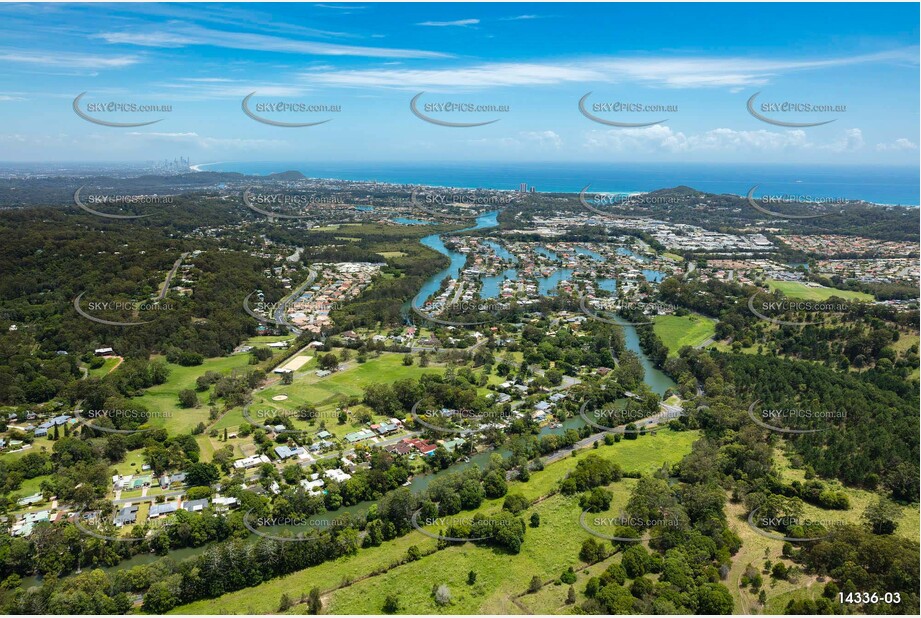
column 443, row 24
column 900, row 144
column 69, row 60
column 850, row 141
column 543, row 138
column 184, row 35
column 664, row 139
column 207, row 143
column 507, row 74
column 530, row 140
column 680, row 72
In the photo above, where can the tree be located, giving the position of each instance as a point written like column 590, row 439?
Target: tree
column 636, row 561
column 443, row 595
column 592, row 551
column 883, row 516
column 391, row 604
column 287, row 377
column 515, row 503
column 413, row 553
column 535, row 585
column 188, row 398
column 494, row 485
column 596, row 500
column 314, row 603
column 471, row 578
column 284, row 604
column 714, row 599
column 571, row 596
column 568, row 576
column 407, row 360
column 201, row 474
column 328, row 361
column 535, row 519
column 779, row 570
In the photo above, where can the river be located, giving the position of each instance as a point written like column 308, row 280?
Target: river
column 657, row 381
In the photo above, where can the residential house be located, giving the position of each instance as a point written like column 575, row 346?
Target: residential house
column 194, row 506
column 161, row 510
column 128, row 515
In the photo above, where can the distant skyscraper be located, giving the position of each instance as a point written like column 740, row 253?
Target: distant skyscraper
column 523, row 187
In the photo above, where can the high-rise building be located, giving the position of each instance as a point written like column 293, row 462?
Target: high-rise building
column 523, row 187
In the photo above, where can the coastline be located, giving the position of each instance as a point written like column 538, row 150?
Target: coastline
column 199, row 167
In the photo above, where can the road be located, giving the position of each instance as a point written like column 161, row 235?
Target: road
column 168, row 494
column 280, row 312
column 666, row 412
column 172, row 273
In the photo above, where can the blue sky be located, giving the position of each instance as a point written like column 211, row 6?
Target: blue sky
column 538, row 59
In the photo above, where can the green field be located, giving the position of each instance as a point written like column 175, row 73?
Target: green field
column 105, row 368
column 795, row 289
column 546, row 552
column 326, row 392
column 163, row 400
column 757, row 548
column 677, row 332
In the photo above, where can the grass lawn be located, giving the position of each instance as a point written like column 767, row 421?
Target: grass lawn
column 326, row 392
column 906, row 341
column 677, row 332
column 909, row 525
column 131, row 464
column 104, row 369
column 546, row 552
column 795, row 289
column 264, row 339
column 757, row 548
column 163, row 400
column 29, row 487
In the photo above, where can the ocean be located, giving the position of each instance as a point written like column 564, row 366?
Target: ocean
column 878, row 184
